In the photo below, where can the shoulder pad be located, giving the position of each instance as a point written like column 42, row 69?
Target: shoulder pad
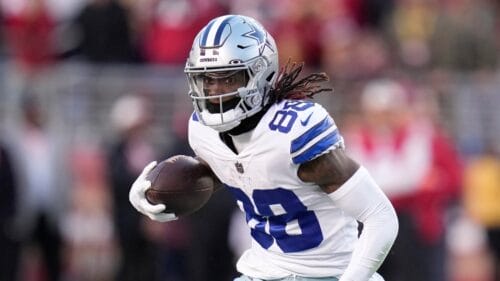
column 313, row 132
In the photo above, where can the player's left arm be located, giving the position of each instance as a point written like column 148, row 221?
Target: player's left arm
column 351, row 187
column 329, row 171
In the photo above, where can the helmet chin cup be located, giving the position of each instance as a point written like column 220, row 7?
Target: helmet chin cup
column 232, row 43
column 216, row 120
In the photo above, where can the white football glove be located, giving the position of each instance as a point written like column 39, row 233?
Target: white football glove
column 137, row 196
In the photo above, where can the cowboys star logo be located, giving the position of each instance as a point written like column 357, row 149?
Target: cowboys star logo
column 259, row 36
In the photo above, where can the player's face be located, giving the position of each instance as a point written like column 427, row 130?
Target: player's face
column 218, row 83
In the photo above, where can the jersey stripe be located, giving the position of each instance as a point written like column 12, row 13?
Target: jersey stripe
column 319, row 147
column 310, row 134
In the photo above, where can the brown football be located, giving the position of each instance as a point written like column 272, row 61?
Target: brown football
column 182, row 183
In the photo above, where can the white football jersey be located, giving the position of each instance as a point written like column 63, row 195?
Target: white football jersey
column 296, row 228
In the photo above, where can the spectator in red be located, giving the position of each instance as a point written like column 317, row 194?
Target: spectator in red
column 293, row 30
column 169, row 34
column 419, row 170
column 29, row 35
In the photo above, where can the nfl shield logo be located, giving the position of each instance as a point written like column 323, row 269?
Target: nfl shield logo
column 239, row 167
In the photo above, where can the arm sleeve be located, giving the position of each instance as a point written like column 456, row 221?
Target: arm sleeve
column 361, row 198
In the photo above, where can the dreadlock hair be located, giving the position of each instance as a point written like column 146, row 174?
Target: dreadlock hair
column 287, row 88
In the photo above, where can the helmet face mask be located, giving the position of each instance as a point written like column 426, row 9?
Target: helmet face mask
column 237, row 54
column 219, row 88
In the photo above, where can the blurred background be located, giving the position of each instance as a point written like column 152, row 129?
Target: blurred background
column 92, row 90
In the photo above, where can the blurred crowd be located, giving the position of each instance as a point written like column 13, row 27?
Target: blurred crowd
column 417, row 88
column 346, row 38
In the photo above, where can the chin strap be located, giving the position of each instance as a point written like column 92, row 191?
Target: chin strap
column 249, row 123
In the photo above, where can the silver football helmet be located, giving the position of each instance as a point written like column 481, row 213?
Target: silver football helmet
column 231, row 45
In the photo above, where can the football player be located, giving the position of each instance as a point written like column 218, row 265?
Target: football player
column 283, row 158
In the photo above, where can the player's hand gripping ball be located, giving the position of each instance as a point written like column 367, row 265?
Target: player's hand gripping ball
column 182, row 183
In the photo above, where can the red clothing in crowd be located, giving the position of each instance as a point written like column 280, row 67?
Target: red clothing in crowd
column 440, row 171
column 29, row 37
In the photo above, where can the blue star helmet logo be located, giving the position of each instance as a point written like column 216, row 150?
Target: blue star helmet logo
column 260, row 36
